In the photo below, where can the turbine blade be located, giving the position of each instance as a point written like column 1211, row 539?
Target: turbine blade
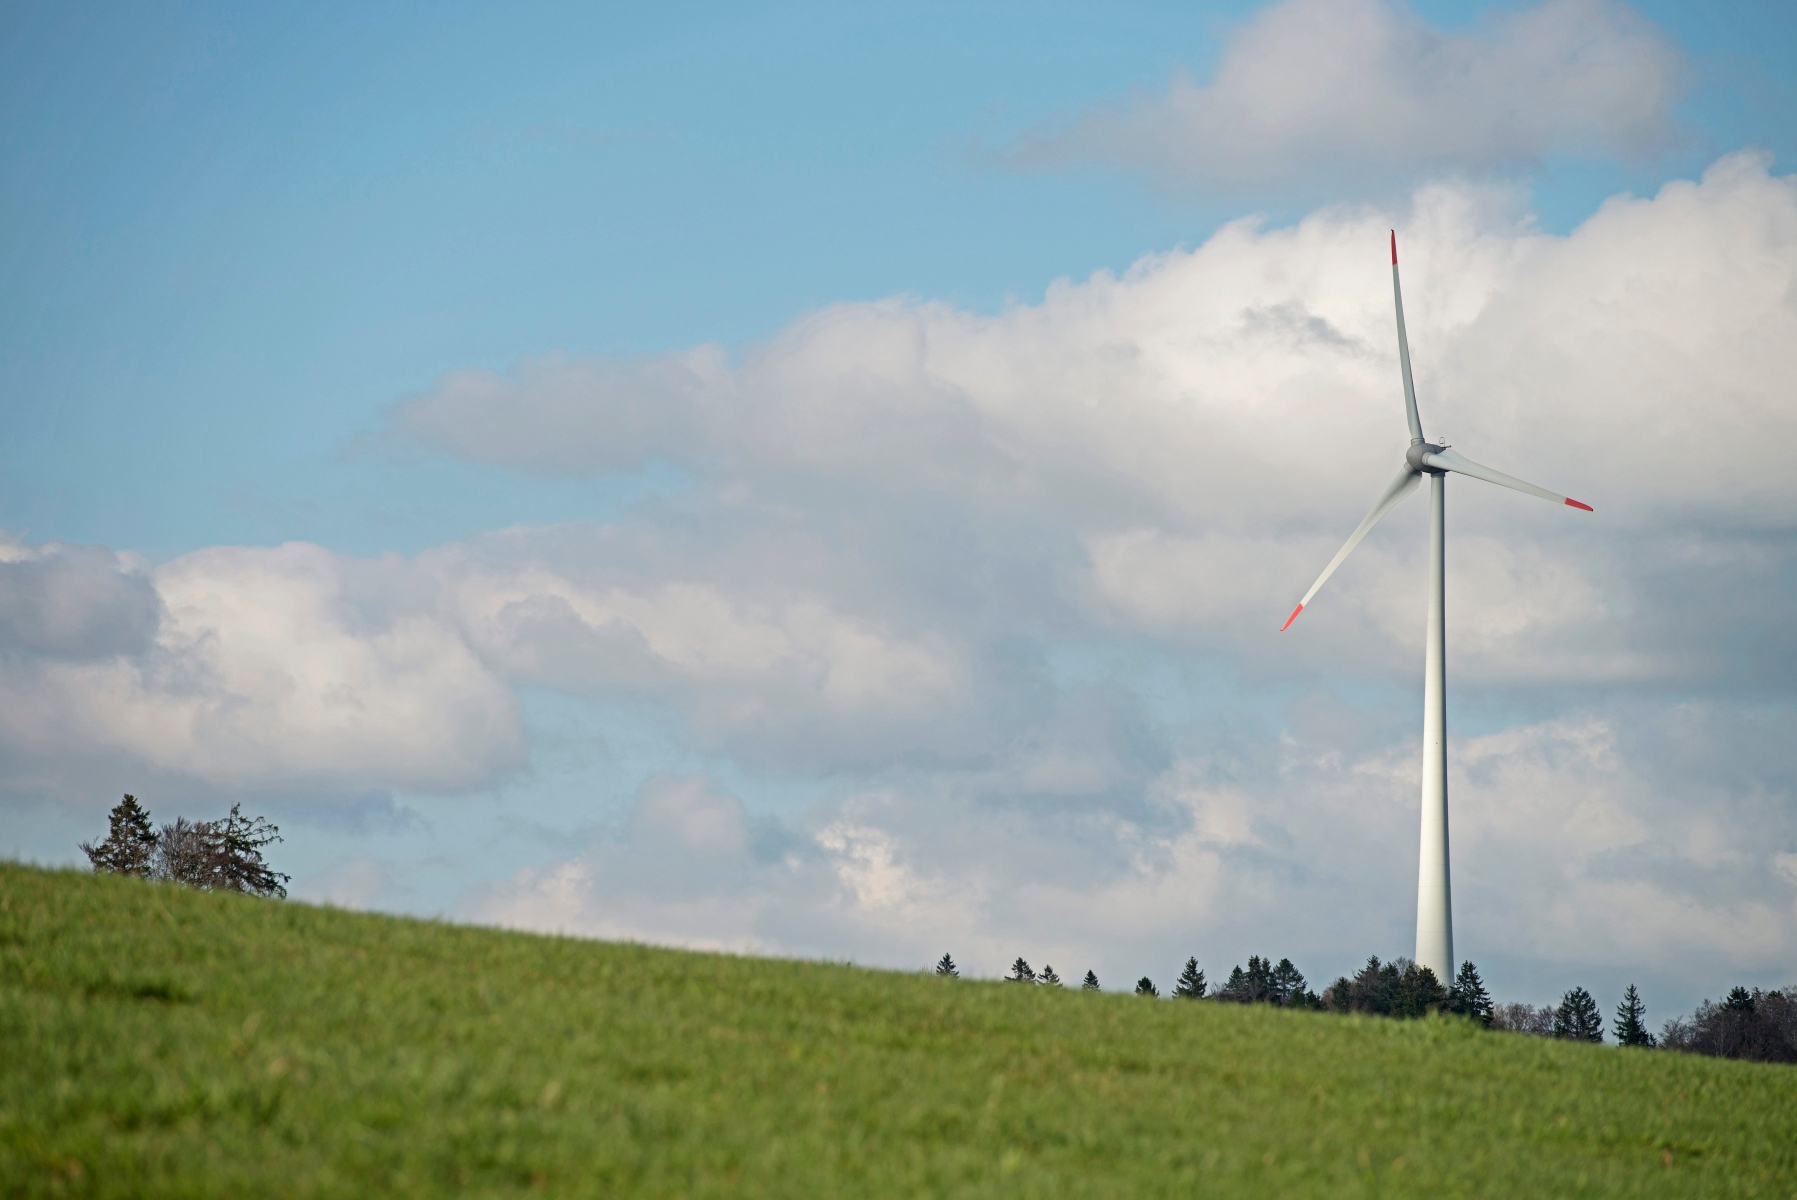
column 1397, row 296
column 1400, row 487
column 1448, row 460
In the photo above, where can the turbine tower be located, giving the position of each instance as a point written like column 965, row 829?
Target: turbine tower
column 1434, row 908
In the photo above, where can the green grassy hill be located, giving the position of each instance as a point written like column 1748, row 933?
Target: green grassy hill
column 158, row 1041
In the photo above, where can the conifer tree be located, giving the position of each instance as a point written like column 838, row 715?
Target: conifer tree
column 1091, row 983
column 1145, row 987
column 1260, row 978
column 130, row 845
column 1468, row 996
column 946, row 966
column 1577, row 1018
column 1418, row 992
column 1629, row 1029
column 1190, row 984
column 1235, row 987
column 1289, row 986
column 1020, row 972
column 1048, row 978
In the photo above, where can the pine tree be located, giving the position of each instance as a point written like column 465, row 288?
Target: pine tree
column 1048, row 978
column 1468, row 996
column 1020, row 972
column 1091, row 983
column 1418, row 992
column 1577, row 1018
column 1628, row 1028
column 1260, row 979
column 1289, row 986
column 1235, row 987
column 1145, row 987
column 946, row 966
column 1190, row 985
column 130, row 845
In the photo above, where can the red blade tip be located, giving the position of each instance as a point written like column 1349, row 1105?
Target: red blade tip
column 1394, row 247
column 1290, row 619
column 1571, row 503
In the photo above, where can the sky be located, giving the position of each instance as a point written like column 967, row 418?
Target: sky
column 827, row 484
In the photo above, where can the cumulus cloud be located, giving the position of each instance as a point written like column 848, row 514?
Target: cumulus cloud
column 1360, row 87
column 1179, row 449
column 251, row 668
column 749, row 654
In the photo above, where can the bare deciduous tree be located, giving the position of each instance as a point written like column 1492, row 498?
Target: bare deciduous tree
column 1524, row 1018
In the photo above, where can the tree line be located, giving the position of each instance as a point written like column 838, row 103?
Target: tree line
column 1754, row 1024
column 216, row 856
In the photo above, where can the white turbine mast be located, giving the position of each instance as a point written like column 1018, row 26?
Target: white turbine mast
column 1434, row 908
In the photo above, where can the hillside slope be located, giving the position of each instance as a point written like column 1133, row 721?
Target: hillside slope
column 159, row 1041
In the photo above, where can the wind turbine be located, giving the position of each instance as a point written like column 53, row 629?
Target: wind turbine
column 1434, row 909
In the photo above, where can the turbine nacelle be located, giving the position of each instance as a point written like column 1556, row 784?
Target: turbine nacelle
column 1416, row 457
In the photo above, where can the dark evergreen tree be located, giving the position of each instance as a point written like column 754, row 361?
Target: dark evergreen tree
column 1739, row 999
column 1264, row 983
column 1091, row 983
column 1398, row 988
column 1468, row 996
column 1287, row 984
column 130, row 845
column 1048, row 978
column 1371, row 990
column 1190, row 984
column 946, row 966
column 1628, row 1028
column 1577, row 1018
column 1418, row 992
column 1145, row 987
column 1260, row 979
column 1020, row 972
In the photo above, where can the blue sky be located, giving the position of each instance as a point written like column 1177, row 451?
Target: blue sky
column 238, row 235
column 251, row 252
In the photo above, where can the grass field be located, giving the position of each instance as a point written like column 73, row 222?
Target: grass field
column 156, row 1041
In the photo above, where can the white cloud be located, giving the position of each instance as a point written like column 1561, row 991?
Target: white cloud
column 276, row 668
column 1178, row 450
column 739, row 650
column 1361, row 87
